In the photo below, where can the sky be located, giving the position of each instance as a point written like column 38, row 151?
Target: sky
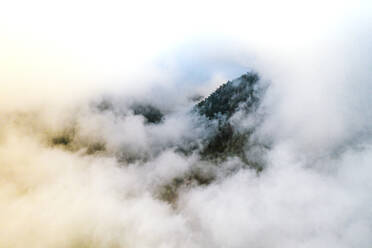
column 108, row 43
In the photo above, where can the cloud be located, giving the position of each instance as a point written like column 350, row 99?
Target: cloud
column 79, row 167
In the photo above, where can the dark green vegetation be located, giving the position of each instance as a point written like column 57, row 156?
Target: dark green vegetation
column 67, row 140
column 226, row 141
column 242, row 94
column 150, row 113
column 63, row 140
column 169, row 192
column 226, row 100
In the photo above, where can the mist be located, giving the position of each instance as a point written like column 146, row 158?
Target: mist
column 103, row 143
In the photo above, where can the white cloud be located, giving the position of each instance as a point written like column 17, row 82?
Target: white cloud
column 59, row 59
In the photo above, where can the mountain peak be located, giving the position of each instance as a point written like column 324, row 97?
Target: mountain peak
column 230, row 96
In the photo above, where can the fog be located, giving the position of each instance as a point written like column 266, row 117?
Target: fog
column 80, row 166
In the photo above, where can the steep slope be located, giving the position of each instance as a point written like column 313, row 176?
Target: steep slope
column 242, row 94
column 226, row 139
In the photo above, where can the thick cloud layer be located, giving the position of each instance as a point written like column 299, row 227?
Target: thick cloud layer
column 100, row 161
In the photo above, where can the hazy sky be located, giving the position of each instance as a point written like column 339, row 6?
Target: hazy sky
column 62, row 41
